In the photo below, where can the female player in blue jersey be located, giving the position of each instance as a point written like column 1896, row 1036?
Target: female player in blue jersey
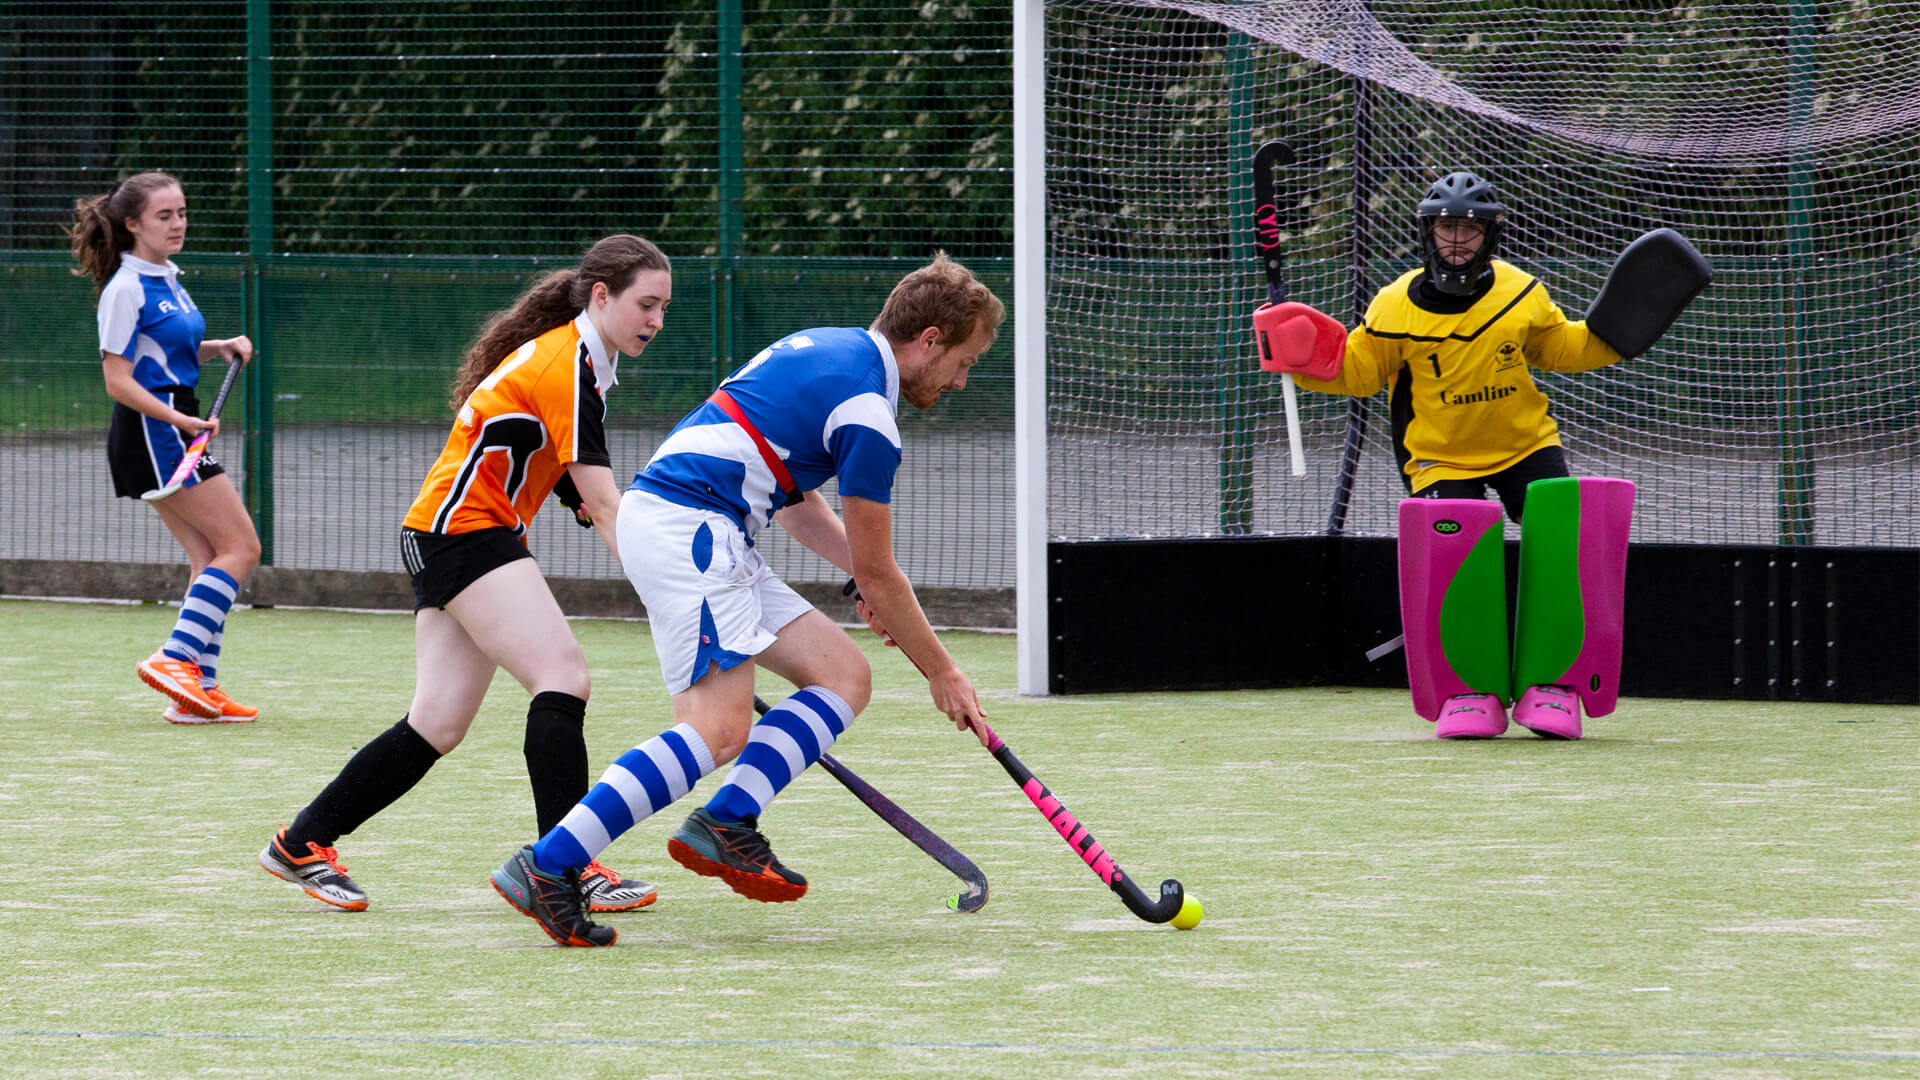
column 152, row 343
column 813, row 406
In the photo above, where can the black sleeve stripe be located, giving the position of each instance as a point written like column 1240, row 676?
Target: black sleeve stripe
column 589, row 416
column 518, row 436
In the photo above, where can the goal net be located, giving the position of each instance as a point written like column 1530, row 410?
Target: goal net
column 1782, row 139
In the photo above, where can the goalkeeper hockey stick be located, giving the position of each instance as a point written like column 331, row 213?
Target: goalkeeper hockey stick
column 196, row 449
column 974, row 896
column 1153, row 909
column 1266, row 239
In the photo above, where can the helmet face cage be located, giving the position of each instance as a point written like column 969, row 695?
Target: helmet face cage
column 1459, row 195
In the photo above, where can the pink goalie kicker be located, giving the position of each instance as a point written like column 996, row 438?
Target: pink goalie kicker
column 1606, row 517
column 1437, row 538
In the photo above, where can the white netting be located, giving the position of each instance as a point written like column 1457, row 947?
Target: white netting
column 1781, row 139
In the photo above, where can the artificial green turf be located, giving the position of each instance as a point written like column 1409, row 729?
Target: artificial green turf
column 1695, row 890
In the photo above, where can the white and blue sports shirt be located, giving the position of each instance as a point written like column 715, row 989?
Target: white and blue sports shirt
column 147, row 317
column 825, row 400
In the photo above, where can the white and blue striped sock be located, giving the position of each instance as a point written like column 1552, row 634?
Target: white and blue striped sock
column 783, row 743
column 642, row 782
column 202, row 614
column 210, row 660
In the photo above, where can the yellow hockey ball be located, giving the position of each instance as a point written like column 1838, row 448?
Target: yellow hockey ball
column 1189, row 916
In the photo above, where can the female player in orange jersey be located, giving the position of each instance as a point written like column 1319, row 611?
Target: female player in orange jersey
column 152, row 343
column 530, row 398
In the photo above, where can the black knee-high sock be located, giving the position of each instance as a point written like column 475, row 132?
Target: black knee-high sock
column 374, row 779
column 556, row 750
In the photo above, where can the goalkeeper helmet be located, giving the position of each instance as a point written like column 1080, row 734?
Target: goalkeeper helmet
column 1459, row 195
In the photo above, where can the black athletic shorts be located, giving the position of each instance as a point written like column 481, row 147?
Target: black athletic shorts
column 142, row 452
column 443, row 564
column 1510, row 483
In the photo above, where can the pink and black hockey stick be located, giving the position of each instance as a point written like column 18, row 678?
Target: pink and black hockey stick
column 1153, row 909
column 198, row 447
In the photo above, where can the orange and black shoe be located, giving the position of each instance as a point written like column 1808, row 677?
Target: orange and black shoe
column 605, row 891
column 231, row 711
column 553, row 901
column 179, row 680
column 318, row 873
column 736, row 853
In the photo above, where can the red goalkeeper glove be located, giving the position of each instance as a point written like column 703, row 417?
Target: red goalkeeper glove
column 1299, row 340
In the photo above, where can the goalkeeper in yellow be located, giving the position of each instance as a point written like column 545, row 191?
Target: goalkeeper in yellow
column 1455, row 342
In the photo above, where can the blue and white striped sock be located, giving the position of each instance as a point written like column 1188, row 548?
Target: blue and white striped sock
column 642, row 782
column 202, row 614
column 783, row 743
column 210, row 660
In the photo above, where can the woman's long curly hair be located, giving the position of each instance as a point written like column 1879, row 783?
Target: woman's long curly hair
column 553, row 301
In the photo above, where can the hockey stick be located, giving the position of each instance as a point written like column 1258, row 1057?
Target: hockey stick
column 974, row 896
column 198, row 447
column 1266, row 239
column 1172, row 902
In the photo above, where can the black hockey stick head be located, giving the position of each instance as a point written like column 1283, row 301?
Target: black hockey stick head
column 1160, row 909
column 1266, row 215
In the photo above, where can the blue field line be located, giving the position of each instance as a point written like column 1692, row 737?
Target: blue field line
column 910, row 1044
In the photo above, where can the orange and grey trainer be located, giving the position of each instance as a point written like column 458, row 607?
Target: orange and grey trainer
column 736, row 853
column 318, row 873
column 179, row 680
column 606, row 891
column 231, row 711
column 551, row 900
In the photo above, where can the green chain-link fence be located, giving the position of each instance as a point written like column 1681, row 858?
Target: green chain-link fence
column 367, row 181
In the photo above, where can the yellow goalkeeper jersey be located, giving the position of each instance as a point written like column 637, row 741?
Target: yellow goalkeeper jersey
column 1460, row 381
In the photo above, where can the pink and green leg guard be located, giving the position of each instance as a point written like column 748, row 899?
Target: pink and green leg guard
column 1573, row 580
column 1453, row 600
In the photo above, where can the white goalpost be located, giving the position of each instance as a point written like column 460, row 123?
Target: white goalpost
column 1030, row 339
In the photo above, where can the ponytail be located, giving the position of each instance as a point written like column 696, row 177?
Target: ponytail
column 554, row 300
column 549, row 303
column 99, row 233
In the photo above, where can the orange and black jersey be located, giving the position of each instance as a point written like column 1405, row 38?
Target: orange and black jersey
column 1460, row 371
column 541, row 409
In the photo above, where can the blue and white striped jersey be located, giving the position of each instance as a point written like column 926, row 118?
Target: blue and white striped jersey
column 825, row 401
column 147, row 317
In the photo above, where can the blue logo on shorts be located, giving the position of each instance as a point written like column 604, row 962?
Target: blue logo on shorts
column 702, row 548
